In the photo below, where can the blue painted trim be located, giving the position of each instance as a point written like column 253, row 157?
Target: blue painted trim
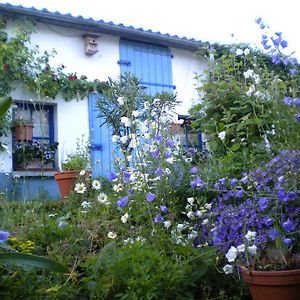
column 100, row 26
column 159, row 84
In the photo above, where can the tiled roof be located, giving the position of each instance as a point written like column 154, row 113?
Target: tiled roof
column 99, row 26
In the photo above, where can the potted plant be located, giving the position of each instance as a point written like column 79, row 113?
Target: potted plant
column 77, row 162
column 23, row 129
column 254, row 223
column 34, row 155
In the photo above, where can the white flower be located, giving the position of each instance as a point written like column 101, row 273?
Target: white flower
column 124, row 218
column 241, row 248
column 121, row 100
column 239, row 52
column 180, row 227
column 190, row 215
column 246, row 51
column 96, row 185
column 228, row 269
column 198, row 213
column 135, row 113
column 248, row 74
column 250, row 235
column 190, row 200
column 102, row 198
column 129, row 158
column 208, row 205
column 204, row 222
column 231, row 254
column 250, row 91
column 133, row 143
column 86, row 204
column 252, row 250
column 124, row 139
column 112, row 235
column 118, row 187
column 82, row 172
column 170, row 160
column 115, row 138
column 80, row 188
column 125, row 121
column 167, row 224
column 193, row 234
column 222, row 135
column 146, row 105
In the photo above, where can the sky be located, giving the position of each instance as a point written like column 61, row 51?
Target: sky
column 223, row 21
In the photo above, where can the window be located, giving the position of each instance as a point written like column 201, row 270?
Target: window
column 34, row 147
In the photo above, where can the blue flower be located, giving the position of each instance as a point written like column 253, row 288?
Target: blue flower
column 154, row 153
column 296, row 102
column 288, row 225
column 297, row 117
column 150, row 197
column 263, row 203
column 4, row 235
column 168, row 154
column 158, row 219
column 197, row 183
column 158, row 138
column 163, row 208
column 284, row 44
column 170, row 143
column 292, row 195
column 122, row 202
column 112, row 176
column 288, row 242
column 194, row 170
column 288, row 101
column 293, row 71
column 233, row 181
column 158, row 172
column 273, row 234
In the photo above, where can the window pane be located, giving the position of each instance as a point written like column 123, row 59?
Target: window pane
column 40, row 120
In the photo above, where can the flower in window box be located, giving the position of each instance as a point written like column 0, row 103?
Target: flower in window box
column 28, row 151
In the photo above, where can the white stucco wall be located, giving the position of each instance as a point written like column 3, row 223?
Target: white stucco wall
column 71, row 118
column 185, row 65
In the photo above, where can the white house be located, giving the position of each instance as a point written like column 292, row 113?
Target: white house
column 99, row 50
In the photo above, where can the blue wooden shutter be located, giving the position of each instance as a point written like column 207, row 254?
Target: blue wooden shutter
column 100, row 137
column 149, row 63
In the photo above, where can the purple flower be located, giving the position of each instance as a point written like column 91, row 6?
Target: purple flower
column 163, row 208
column 233, row 181
column 122, row 202
column 288, row 225
column 239, row 194
column 197, row 183
column 293, row 71
column 262, row 26
column 158, row 219
column 292, row 195
column 284, row 44
column 150, row 197
column 282, row 195
column 158, row 138
column 4, row 235
column 263, row 203
column 273, row 234
column 232, row 50
column 276, row 59
column 194, row 170
column 170, row 143
column 112, row 176
column 61, row 225
column 288, row 101
column 154, row 153
column 158, row 172
column 127, row 174
column 168, row 154
column 296, row 102
column 288, row 242
column 297, row 117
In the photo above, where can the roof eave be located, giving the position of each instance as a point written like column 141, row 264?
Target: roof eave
column 91, row 25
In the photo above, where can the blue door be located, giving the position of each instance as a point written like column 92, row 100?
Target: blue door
column 152, row 64
column 100, row 139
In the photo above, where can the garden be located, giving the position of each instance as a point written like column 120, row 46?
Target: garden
column 172, row 221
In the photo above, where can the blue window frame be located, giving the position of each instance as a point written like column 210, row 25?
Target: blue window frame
column 43, row 120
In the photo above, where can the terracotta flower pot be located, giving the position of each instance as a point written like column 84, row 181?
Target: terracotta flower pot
column 275, row 285
column 66, row 182
column 23, row 132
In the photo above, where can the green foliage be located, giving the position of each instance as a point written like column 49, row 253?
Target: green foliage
column 158, row 270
